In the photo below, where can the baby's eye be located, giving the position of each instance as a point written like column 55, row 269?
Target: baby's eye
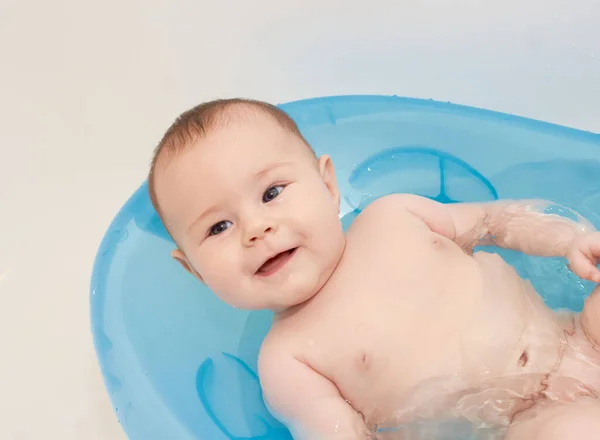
column 271, row 193
column 219, row 227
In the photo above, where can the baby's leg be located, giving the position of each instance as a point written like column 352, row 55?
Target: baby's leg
column 590, row 317
column 443, row 430
column 579, row 421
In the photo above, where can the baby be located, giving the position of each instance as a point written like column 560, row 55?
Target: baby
column 397, row 321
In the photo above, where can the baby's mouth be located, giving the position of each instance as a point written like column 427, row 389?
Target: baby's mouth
column 275, row 263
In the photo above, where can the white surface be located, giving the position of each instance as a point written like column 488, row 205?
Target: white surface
column 87, row 89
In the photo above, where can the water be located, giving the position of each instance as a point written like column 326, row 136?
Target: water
column 179, row 364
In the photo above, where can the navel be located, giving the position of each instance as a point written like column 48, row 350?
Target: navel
column 523, row 359
column 363, row 361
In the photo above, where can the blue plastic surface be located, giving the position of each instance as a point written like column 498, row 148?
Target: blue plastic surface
column 179, row 364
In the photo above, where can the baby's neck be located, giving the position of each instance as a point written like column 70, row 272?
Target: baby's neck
column 288, row 312
column 282, row 314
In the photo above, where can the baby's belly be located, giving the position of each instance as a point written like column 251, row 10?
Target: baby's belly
column 513, row 332
column 479, row 354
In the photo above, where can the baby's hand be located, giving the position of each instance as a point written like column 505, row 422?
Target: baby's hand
column 583, row 256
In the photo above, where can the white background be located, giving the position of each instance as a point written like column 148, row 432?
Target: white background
column 87, row 89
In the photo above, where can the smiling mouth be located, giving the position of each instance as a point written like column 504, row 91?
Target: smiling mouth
column 272, row 265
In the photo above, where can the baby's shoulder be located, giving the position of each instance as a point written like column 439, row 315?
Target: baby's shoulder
column 279, row 350
column 397, row 202
column 391, row 207
column 278, row 343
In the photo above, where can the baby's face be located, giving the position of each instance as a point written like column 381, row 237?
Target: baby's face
column 254, row 213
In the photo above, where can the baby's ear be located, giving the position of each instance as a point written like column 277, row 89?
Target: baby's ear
column 180, row 257
column 328, row 173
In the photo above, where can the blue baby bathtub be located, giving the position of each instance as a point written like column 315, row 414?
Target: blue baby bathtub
column 180, row 365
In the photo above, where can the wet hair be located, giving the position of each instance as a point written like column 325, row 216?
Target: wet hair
column 198, row 121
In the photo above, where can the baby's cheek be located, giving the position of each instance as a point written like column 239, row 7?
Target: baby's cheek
column 220, row 269
column 223, row 273
column 212, row 267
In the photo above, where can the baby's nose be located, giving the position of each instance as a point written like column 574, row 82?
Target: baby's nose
column 257, row 231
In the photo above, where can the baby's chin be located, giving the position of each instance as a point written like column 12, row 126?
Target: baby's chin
column 284, row 301
column 296, row 288
column 301, row 287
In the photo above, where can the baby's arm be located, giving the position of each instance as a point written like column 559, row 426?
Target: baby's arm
column 305, row 401
column 518, row 225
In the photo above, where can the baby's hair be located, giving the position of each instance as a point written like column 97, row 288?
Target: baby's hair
column 198, row 121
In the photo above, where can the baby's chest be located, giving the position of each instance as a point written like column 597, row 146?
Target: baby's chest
column 387, row 331
column 384, row 345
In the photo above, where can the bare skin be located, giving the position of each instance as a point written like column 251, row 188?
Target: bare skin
column 394, row 321
column 429, row 318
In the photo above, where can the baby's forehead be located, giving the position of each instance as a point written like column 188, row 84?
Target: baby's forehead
column 243, row 138
column 236, row 151
column 253, row 132
column 228, row 123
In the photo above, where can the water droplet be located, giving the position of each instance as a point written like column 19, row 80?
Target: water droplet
column 592, row 55
column 573, row 45
column 368, row 168
column 310, row 342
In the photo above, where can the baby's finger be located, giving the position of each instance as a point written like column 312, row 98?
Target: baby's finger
column 591, row 249
column 581, row 266
column 594, row 246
